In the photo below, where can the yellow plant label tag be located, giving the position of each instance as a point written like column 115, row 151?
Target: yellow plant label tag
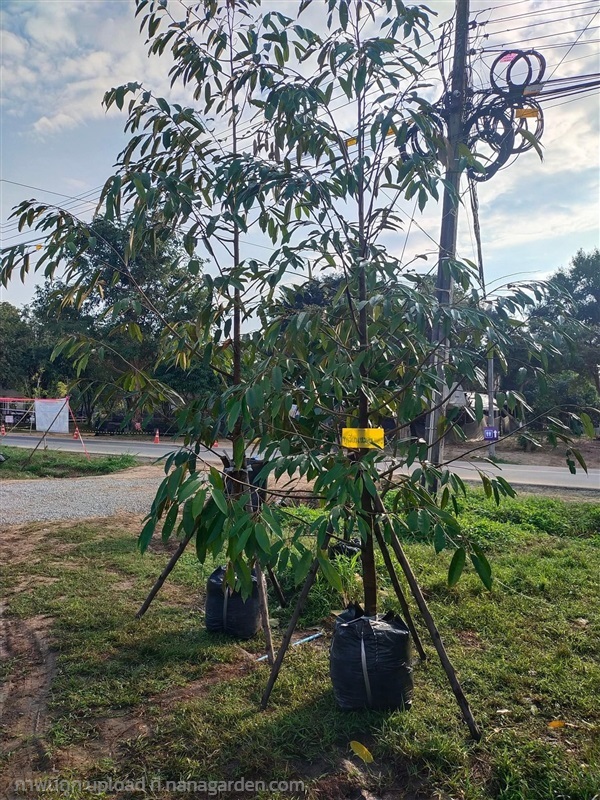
column 526, row 112
column 362, row 437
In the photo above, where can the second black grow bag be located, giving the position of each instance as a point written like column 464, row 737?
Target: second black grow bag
column 226, row 610
column 369, row 662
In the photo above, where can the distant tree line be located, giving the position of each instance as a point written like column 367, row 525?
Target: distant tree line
column 128, row 333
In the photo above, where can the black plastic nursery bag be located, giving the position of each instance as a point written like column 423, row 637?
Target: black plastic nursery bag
column 369, row 661
column 227, row 612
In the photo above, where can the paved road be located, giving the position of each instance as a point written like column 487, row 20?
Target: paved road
column 513, row 473
column 99, row 445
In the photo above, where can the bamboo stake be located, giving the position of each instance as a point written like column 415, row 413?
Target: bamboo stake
column 264, row 610
column 399, row 593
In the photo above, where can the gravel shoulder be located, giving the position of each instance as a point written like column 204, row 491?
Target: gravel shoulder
column 78, row 498
column 132, row 491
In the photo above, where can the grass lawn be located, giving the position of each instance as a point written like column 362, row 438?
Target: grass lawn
column 56, row 464
column 95, row 695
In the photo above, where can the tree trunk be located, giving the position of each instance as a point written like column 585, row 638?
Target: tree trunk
column 368, row 561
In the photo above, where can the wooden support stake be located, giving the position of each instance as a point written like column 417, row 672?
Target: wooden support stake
column 399, row 593
column 435, row 636
column 264, row 610
column 310, row 579
column 164, row 575
column 277, row 587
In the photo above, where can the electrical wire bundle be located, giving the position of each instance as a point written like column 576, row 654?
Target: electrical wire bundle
column 503, row 114
column 501, row 121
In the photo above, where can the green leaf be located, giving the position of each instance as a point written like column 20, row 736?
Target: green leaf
column 188, row 523
column 588, row 425
column 216, row 479
column 482, row 566
column 302, row 566
column 343, row 14
column 277, row 378
column 147, row 534
column 487, row 486
column 170, row 520
column 271, row 520
column 220, row 501
column 188, row 488
column 233, row 414
column 478, row 407
column 173, row 482
column 262, row 538
column 245, row 578
column 239, row 450
column 439, row 538
column 198, row 503
column 580, row 459
column 456, row 566
column 329, row 571
column 360, row 78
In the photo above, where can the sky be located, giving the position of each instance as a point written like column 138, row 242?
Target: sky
column 60, row 56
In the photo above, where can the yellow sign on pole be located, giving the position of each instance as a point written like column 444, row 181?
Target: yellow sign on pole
column 526, row 112
column 362, row 437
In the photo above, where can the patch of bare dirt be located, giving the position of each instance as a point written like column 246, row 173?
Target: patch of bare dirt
column 470, row 639
column 31, row 581
column 106, row 736
column 545, row 456
column 123, row 522
column 161, row 548
column 18, row 542
column 24, row 697
column 199, row 688
column 349, row 784
column 337, row 787
column 146, row 471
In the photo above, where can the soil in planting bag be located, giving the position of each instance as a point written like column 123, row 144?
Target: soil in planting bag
column 227, row 612
column 369, row 661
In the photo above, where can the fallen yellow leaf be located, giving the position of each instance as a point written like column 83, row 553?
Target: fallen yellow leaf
column 361, row 751
column 556, row 723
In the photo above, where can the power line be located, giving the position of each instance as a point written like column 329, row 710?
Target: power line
column 579, row 58
column 49, row 191
column 501, row 6
column 502, row 48
column 575, row 42
column 76, row 200
column 533, row 24
column 536, row 12
column 531, row 44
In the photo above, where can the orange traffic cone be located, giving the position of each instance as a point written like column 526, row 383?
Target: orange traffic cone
column 2, row 430
column 76, row 434
column 156, row 437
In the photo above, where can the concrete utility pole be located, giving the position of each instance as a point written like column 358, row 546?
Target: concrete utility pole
column 491, row 415
column 444, row 284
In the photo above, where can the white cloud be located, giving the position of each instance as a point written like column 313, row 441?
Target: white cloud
column 13, row 47
column 54, row 124
column 62, row 56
